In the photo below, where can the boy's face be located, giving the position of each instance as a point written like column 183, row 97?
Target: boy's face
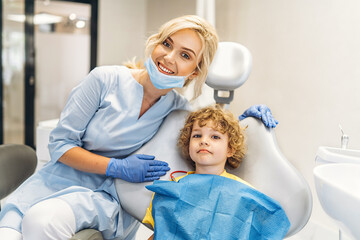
column 209, row 148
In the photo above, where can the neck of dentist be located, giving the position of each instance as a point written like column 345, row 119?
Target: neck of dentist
column 151, row 94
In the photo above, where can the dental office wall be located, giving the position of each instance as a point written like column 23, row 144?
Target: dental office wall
column 305, row 68
column 125, row 25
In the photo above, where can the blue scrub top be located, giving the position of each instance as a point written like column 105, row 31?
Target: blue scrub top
column 101, row 116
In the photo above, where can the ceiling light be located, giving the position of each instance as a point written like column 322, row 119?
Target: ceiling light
column 80, row 24
column 72, row 16
column 41, row 18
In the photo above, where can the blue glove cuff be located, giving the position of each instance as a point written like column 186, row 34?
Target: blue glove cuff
column 111, row 168
column 242, row 116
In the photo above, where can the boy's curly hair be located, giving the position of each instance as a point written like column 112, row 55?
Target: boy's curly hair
column 225, row 122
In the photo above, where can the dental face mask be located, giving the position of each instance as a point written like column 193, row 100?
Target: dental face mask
column 161, row 80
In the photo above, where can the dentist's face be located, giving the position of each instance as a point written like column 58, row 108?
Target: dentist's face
column 209, row 147
column 179, row 54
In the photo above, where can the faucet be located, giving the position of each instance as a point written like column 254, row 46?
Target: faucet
column 344, row 138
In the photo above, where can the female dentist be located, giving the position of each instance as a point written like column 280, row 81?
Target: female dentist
column 111, row 114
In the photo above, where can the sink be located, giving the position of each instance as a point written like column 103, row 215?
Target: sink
column 338, row 189
column 337, row 155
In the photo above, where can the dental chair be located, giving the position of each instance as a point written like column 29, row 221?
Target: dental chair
column 264, row 166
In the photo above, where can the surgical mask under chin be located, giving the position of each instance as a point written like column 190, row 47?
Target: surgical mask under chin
column 161, row 80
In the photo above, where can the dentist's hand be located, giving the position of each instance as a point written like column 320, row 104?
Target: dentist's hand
column 262, row 112
column 137, row 168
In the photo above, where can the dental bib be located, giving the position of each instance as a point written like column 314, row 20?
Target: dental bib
column 201, row 206
column 160, row 80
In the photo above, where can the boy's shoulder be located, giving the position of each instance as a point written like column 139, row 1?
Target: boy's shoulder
column 231, row 176
column 234, row 177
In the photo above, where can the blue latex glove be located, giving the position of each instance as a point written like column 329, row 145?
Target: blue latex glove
column 261, row 112
column 137, row 168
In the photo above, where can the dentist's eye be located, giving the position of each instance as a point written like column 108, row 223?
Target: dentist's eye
column 166, row 44
column 185, row 55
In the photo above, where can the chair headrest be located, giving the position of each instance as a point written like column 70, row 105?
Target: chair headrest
column 230, row 68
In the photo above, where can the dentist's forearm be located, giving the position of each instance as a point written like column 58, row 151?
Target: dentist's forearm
column 84, row 160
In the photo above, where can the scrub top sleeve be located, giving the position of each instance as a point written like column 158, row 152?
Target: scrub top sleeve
column 82, row 104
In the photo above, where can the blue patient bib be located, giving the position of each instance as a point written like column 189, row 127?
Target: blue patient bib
column 201, row 206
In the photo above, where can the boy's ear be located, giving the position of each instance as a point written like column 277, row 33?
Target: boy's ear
column 230, row 152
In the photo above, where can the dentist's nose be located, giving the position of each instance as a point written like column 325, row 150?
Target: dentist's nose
column 170, row 57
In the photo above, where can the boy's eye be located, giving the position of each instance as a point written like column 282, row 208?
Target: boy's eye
column 196, row 136
column 185, row 55
column 216, row 137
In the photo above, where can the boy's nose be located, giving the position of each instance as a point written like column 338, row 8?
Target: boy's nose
column 204, row 141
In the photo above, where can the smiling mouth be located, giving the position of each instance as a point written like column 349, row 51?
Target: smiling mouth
column 164, row 69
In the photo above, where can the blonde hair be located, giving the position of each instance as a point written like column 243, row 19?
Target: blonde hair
column 225, row 122
column 207, row 35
